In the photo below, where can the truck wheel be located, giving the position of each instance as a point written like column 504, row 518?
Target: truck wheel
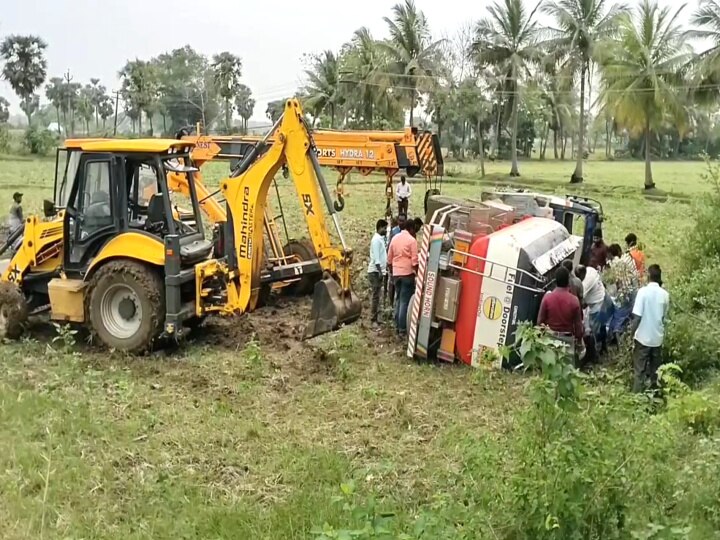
column 125, row 306
column 305, row 252
column 13, row 311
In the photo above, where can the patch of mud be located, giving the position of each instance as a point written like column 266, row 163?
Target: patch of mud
column 278, row 327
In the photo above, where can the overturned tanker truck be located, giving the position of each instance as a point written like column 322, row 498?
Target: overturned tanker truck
column 482, row 271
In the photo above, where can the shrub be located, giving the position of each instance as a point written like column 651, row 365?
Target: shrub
column 39, row 141
column 4, row 138
column 693, row 340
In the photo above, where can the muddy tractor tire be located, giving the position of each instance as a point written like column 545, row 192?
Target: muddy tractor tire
column 13, row 311
column 125, row 306
column 304, row 251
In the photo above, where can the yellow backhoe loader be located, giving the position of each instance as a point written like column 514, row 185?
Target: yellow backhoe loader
column 132, row 271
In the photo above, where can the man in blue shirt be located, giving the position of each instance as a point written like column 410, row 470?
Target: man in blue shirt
column 377, row 267
column 650, row 310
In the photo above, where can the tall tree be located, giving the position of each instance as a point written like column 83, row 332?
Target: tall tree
column 99, row 95
column 365, row 81
column 54, row 94
column 106, row 110
column 580, row 26
column 643, row 72
column 227, row 69
column 508, row 39
column 25, row 68
column 140, row 87
column 245, row 105
column 186, row 91
column 86, row 106
column 412, row 54
column 322, row 90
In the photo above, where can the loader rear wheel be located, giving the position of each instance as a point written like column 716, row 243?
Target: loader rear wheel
column 125, row 306
column 304, row 251
column 13, row 311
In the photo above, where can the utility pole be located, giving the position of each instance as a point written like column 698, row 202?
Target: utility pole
column 68, row 78
column 117, row 99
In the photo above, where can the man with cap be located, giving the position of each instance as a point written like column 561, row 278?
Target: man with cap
column 598, row 251
column 16, row 214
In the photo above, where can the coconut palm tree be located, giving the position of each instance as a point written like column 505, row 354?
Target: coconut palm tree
column 323, row 90
column 412, row 55
column 580, row 26
column 363, row 68
column 706, row 65
column 643, row 71
column 226, row 76
column 507, row 38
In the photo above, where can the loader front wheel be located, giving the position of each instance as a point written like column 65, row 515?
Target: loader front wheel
column 303, row 251
column 125, row 306
column 13, row 311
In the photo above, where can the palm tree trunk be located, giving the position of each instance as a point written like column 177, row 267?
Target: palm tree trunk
column 649, row 184
column 227, row 115
column 150, row 119
column 555, row 141
column 164, row 123
column 514, row 169
column 412, row 103
column 481, row 148
column 577, row 176
column 140, row 124
column 332, row 116
column 608, row 140
column 57, row 111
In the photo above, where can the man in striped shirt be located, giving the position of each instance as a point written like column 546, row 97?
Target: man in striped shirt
column 624, row 276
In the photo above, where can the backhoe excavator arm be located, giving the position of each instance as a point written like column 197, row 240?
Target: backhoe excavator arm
column 246, row 197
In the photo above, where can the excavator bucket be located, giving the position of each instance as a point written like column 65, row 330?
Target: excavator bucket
column 331, row 308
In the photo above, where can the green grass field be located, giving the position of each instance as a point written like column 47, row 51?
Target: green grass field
column 246, row 433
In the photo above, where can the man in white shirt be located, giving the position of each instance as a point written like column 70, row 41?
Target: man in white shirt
column 377, row 267
column 650, row 310
column 403, row 193
column 598, row 303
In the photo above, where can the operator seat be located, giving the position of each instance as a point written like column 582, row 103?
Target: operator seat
column 156, row 219
column 193, row 248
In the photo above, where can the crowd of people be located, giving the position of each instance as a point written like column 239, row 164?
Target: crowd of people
column 592, row 306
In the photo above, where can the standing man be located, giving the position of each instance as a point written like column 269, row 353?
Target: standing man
column 403, row 193
column 16, row 214
column 600, row 305
column 560, row 311
column 625, row 277
column 398, row 227
column 637, row 255
column 403, row 261
column 598, row 251
column 650, row 311
column 377, row 268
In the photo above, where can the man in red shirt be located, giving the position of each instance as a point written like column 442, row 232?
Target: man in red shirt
column 560, row 310
column 403, row 261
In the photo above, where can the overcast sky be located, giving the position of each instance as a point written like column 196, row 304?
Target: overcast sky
column 94, row 38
